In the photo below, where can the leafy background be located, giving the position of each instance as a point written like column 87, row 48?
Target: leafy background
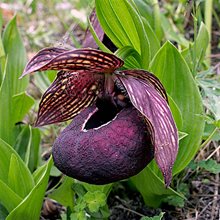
column 170, row 39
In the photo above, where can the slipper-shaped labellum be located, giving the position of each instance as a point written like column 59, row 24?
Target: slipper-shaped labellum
column 122, row 120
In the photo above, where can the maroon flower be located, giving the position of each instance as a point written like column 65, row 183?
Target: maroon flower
column 122, row 116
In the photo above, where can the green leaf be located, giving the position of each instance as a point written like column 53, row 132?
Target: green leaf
column 9, row 172
column 31, row 205
column 130, row 57
column 34, row 149
column 210, row 91
column 27, row 144
column 169, row 66
column 171, row 31
column 17, row 179
column 176, row 113
column 124, row 26
column 55, row 172
column 152, row 37
column 151, row 187
column 95, row 200
column 175, row 201
column 101, row 188
column 156, row 217
column 64, row 193
column 2, row 51
column 3, row 212
column 8, row 197
column 79, row 216
column 11, row 70
column 145, row 9
column 15, row 51
column 23, row 138
column 210, row 165
column 198, row 48
column 181, row 135
column 23, row 103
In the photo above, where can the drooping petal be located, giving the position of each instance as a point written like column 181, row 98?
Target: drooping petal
column 72, row 60
column 43, row 57
column 146, row 98
column 69, row 94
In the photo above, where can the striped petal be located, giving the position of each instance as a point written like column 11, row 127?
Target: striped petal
column 68, row 95
column 149, row 78
column 42, row 58
column 72, row 60
column 146, row 98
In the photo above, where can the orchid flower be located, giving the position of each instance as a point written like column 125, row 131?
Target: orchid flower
column 122, row 120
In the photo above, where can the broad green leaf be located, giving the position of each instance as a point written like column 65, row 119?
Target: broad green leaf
column 17, row 179
column 30, row 207
column 64, row 193
column 198, row 48
column 124, row 26
column 130, row 57
column 176, row 113
column 145, row 10
column 23, row 103
column 38, row 173
column 14, row 49
column 117, row 25
column 8, row 171
column 169, row 66
column 16, row 60
column 8, row 197
column 151, row 187
column 152, row 37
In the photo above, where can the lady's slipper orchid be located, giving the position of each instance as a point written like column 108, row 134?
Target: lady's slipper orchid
column 122, row 116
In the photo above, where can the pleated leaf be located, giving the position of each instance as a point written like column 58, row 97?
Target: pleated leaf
column 69, row 94
column 154, row 107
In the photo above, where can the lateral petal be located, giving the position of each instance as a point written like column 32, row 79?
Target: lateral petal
column 146, row 98
column 68, row 95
